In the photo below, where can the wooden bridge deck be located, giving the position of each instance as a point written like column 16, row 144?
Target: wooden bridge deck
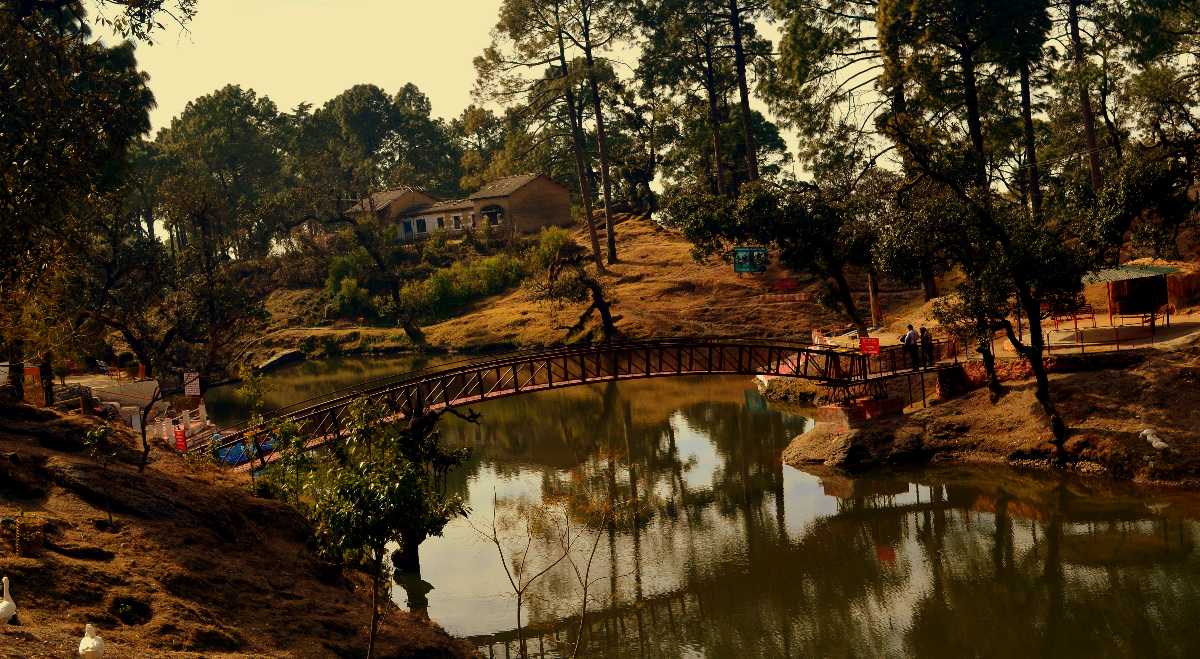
column 846, row 372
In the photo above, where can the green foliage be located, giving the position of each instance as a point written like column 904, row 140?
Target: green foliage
column 351, row 300
column 388, row 484
column 450, row 288
column 253, row 389
column 355, row 265
column 287, row 475
column 330, row 345
column 552, row 243
column 309, row 345
column 815, row 228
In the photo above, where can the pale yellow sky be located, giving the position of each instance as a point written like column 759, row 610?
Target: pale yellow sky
column 311, row 50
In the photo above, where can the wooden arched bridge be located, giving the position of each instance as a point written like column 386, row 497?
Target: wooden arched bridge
column 846, row 373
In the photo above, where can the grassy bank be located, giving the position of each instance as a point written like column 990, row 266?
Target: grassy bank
column 194, row 565
column 1106, row 408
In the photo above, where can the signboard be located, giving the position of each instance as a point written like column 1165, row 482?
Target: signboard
column 868, row 346
column 35, row 394
column 191, row 384
column 750, row 259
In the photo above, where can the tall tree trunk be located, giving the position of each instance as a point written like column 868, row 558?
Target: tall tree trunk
column 1028, row 300
column 841, row 290
column 601, row 141
column 16, row 367
column 1033, row 352
column 714, row 117
column 408, row 558
column 928, row 281
column 582, row 168
column 974, row 124
column 1031, row 161
column 873, row 293
column 1085, row 97
column 46, row 372
column 739, row 58
column 989, row 358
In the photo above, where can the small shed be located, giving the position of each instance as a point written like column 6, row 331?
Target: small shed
column 1135, row 290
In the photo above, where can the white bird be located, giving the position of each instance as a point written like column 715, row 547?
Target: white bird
column 8, row 608
column 1152, row 437
column 91, row 646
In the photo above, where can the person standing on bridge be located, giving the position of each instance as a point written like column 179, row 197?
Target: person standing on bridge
column 927, row 357
column 911, row 343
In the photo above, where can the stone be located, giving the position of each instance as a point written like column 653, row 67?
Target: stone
column 282, row 358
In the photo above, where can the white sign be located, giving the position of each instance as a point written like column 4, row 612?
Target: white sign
column 191, row 384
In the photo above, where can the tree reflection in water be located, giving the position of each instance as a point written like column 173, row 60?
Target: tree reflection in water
column 721, row 551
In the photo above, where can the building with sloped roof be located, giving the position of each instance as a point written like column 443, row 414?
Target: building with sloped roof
column 524, row 203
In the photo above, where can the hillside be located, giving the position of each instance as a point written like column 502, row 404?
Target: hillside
column 194, row 567
column 656, row 290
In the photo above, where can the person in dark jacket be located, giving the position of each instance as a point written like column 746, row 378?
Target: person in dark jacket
column 912, row 344
column 927, row 347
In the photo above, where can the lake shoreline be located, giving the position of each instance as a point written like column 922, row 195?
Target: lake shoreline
column 1106, row 410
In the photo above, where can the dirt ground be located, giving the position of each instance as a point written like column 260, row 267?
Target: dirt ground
column 195, row 566
column 1106, row 401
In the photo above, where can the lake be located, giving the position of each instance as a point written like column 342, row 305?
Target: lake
column 697, row 542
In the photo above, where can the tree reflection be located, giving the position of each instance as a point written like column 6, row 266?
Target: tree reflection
column 713, row 551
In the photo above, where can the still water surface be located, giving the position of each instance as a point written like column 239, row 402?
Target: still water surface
column 731, row 554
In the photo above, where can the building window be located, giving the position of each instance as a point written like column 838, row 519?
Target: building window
column 494, row 215
column 441, row 223
column 457, row 222
column 472, row 220
column 407, row 227
column 421, row 225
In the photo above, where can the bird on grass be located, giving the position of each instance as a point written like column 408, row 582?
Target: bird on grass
column 8, row 608
column 91, row 646
column 1152, row 437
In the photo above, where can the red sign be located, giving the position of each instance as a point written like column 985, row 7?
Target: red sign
column 35, row 392
column 180, row 439
column 868, row 346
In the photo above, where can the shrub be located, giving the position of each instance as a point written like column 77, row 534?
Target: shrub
column 356, row 265
column 449, row 288
column 308, row 344
column 351, row 300
column 551, row 242
column 331, row 346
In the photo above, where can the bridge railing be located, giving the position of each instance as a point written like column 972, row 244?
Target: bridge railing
column 896, row 358
column 473, row 380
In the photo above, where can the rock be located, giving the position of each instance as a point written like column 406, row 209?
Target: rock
column 22, row 477
column 849, row 452
column 282, row 358
column 908, row 445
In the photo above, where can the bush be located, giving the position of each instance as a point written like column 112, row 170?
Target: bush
column 356, row 265
column 450, row 288
column 331, row 346
column 551, row 242
column 308, row 344
column 351, row 300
